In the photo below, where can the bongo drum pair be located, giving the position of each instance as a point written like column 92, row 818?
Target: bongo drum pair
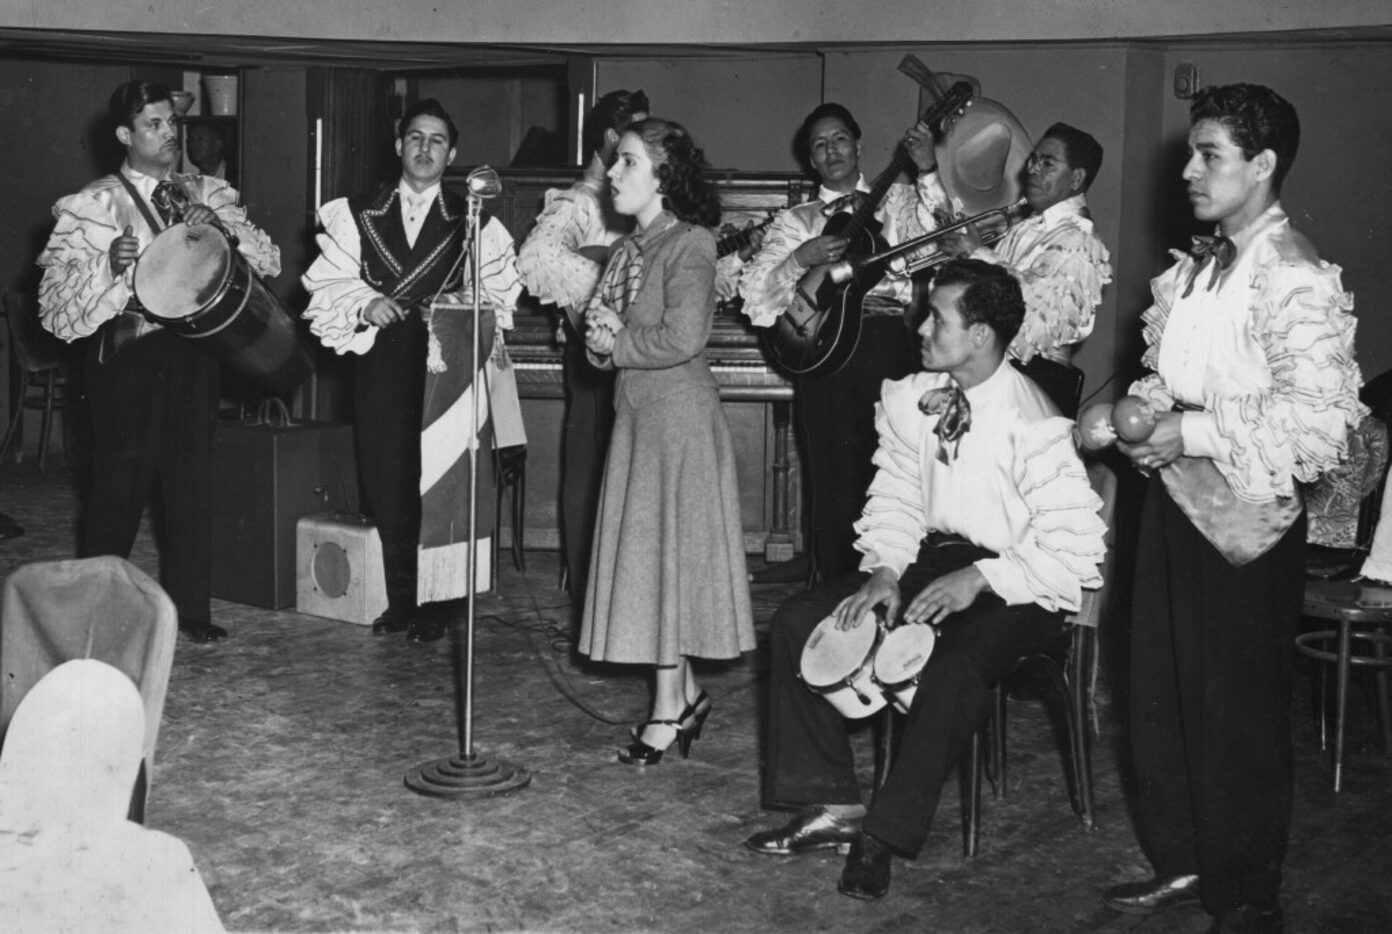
column 861, row 669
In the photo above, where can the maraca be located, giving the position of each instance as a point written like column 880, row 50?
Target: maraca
column 1133, row 418
column 1095, row 429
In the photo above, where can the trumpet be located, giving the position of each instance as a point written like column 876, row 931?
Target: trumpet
column 848, row 268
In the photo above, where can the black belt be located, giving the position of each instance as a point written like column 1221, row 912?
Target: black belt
column 1186, row 407
column 943, row 539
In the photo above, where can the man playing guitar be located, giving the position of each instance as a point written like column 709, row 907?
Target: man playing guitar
column 838, row 409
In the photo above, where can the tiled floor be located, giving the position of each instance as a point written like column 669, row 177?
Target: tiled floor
column 283, row 751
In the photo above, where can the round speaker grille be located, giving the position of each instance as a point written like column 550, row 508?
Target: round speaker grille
column 332, row 573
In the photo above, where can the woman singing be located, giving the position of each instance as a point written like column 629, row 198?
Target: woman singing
column 667, row 578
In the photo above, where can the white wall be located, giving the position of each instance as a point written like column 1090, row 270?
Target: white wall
column 695, row 21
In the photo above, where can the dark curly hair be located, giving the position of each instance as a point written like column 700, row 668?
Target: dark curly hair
column 992, row 295
column 1256, row 118
column 680, row 167
column 134, row 96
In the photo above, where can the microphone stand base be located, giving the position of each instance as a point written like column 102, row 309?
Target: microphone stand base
column 471, row 776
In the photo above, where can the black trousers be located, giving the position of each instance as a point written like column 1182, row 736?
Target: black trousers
column 837, row 415
column 389, row 396
column 589, row 421
column 809, row 757
column 154, row 407
column 1212, row 657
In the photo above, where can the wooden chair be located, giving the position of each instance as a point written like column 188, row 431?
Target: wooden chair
column 1069, row 673
column 510, row 477
column 1361, row 612
column 103, row 608
column 42, row 363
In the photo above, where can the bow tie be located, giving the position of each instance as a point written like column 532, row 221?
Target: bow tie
column 950, row 404
column 1220, row 249
column 170, row 200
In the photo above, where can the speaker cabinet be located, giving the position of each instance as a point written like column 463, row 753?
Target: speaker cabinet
column 339, row 568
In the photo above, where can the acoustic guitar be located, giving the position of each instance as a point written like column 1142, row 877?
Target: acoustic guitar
column 830, row 312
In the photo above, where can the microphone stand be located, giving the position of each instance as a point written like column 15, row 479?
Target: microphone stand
column 467, row 774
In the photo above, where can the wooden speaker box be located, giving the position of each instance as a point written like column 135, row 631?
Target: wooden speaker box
column 338, row 568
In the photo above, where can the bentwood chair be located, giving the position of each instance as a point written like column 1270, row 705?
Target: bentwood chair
column 103, row 608
column 41, row 362
column 1361, row 615
column 1067, row 673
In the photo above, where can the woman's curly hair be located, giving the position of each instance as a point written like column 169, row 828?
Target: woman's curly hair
column 680, row 167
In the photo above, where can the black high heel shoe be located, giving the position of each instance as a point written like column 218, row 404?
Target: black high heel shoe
column 693, row 718
column 640, row 753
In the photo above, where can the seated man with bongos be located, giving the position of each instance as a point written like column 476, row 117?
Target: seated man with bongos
column 981, row 523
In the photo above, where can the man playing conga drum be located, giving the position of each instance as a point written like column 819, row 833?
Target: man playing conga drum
column 153, row 396
column 979, row 521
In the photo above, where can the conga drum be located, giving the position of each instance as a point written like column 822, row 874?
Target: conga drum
column 193, row 281
column 900, row 660
column 838, row 663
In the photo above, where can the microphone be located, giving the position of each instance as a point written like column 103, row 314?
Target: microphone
column 484, row 183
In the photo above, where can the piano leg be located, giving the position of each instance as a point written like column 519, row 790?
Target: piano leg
column 778, row 546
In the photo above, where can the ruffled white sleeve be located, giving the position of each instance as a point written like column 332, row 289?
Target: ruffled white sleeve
column 1298, row 428
column 1064, row 542
column 767, row 283
column 1162, row 290
column 549, row 262
column 1062, row 279
column 78, row 292
column 337, row 292
column 254, row 243
column 498, row 277
column 894, row 520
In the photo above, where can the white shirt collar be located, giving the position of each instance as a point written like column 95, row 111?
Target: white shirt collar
column 145, row 184
column 826, row 195
column 1062, row 210
column 409, row 195
column 1271, row 217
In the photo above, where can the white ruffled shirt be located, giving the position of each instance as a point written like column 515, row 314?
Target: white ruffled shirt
column 79, row 293
column 1062, row 266
column 1016, row 487
column 549, row 261
column 769, row 281
column 1268, row 354
column 338, row 295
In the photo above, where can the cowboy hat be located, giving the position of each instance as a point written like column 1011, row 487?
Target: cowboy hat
column 982, row 157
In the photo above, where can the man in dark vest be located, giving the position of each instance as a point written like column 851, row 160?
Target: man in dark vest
column 384, row 257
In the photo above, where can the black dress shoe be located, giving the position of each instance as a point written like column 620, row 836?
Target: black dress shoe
column 426, row 627
column 1249, row 919
column 867, row 868
column 1143, row 898
column 393, row 620
column 813, row 828
column 202, row 631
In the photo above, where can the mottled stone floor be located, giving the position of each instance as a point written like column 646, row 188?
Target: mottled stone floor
column 283, row 751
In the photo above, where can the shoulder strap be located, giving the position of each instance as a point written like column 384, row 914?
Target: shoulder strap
column 140, row 203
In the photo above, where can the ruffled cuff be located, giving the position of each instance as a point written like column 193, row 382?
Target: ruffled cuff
column 1200, row 436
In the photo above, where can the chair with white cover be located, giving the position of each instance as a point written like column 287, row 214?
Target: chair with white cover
column 70, row 858
column 102, row 608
